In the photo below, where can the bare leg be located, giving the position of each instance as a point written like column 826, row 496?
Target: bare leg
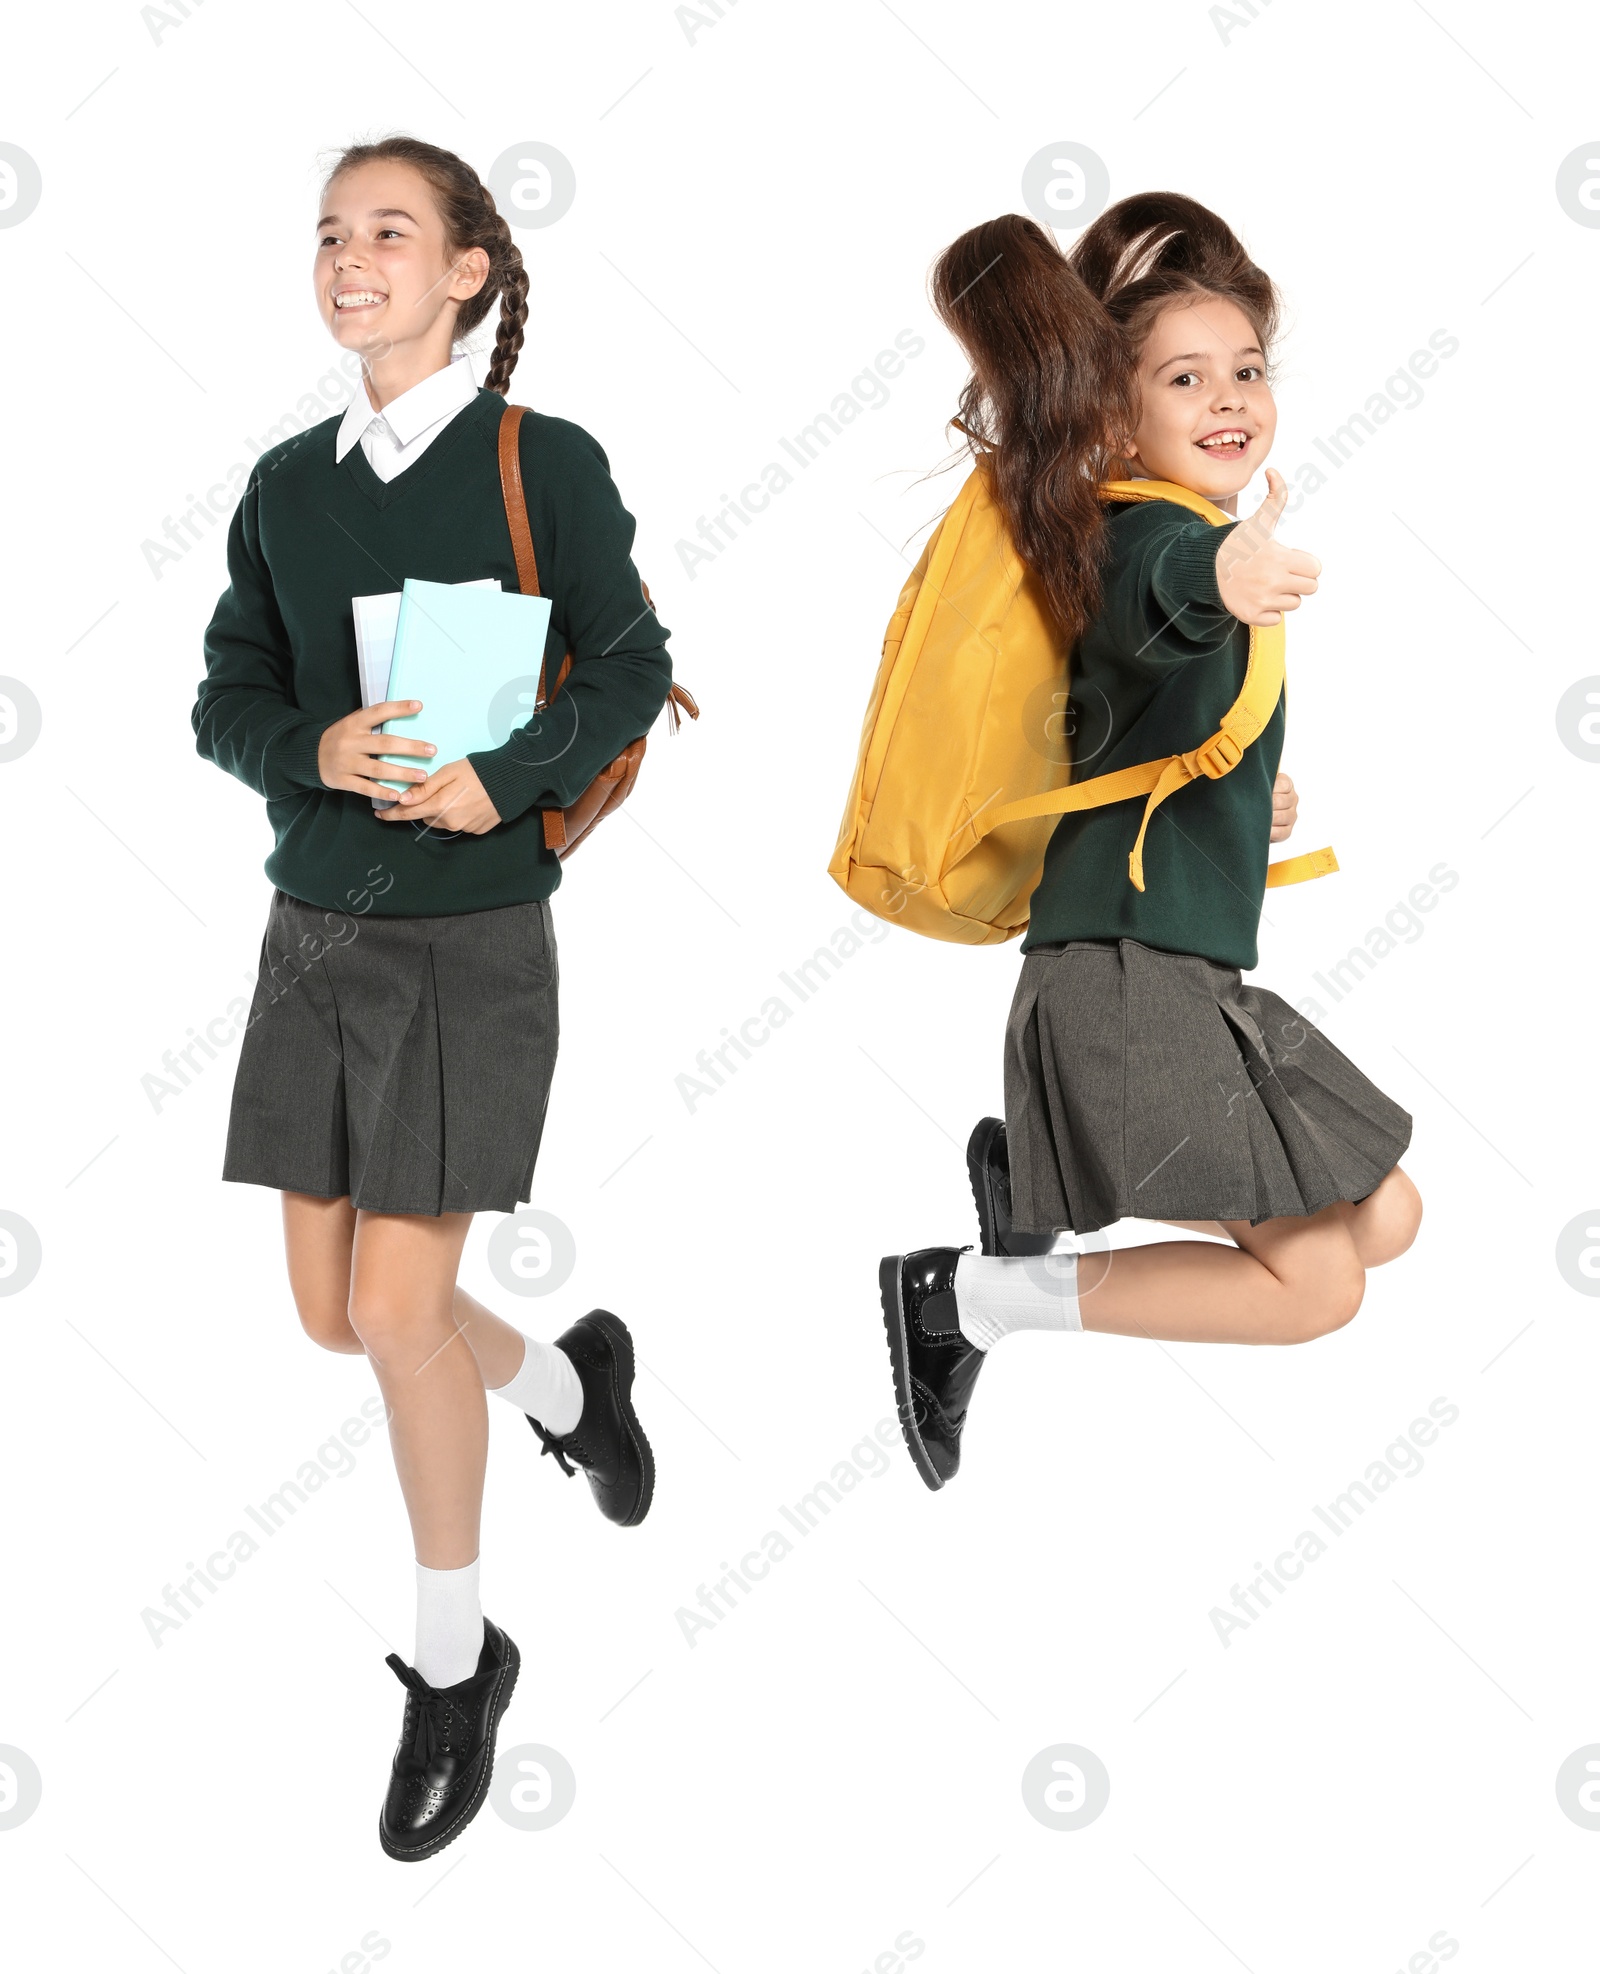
column 318, row 1235
column 497, row 1346
column 401, row 1307
column 1385, row 1223
column 1382, row 1226
column 1286, row 1281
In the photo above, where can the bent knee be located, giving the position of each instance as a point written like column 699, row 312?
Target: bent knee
column 328, row 1325
column 1327, row 1305
column 1402, row 1238
column 377, row 1325
column 1341, row 1300
column 388, row 1329
column 1402, row 1220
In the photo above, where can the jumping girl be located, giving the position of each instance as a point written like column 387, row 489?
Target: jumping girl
column 395, row 1074
column 1142, row 1076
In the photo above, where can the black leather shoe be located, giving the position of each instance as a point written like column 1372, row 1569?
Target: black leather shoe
column 989, row 1169
column 935, row 1367
column 608, row 1442
column 445, row 1756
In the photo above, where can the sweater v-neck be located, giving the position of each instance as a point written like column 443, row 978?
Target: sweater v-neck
column 386, row 493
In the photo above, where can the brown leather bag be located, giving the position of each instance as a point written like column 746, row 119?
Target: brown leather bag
column 565, row 829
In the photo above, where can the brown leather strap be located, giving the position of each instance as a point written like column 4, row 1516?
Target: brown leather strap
column 516, row 502
column 517, row 513
column 613, row 784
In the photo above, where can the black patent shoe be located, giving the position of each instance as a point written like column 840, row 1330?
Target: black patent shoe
column 445, row 1757
column 989, row 1169
column 608, row 1442
column 935, row 1367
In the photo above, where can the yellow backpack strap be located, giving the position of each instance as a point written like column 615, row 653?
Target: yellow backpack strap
column 1245, row 720
column 1295, row 870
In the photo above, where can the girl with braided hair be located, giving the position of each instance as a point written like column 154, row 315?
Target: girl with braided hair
column 1142, row 1075
column 395, row 1072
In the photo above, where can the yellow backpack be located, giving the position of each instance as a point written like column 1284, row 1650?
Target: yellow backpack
column 953, row 803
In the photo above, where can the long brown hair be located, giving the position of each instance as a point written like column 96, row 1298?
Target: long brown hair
column 471, row 219
column 1054, row 342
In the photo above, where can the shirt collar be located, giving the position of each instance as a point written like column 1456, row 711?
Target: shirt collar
column 440, row 394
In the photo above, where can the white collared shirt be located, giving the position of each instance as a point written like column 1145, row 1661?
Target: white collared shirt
column 397, row 436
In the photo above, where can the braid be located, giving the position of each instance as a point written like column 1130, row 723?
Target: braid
column 506, row 255
column 471, row 219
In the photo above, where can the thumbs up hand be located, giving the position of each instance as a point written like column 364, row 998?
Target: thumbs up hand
column 1285, row 808
column 1259, row 577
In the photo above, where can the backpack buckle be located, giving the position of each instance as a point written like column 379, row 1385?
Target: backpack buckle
column 1219, row 755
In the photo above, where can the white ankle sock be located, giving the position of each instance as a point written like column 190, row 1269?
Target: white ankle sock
column 449, row 1624
column 546, row 1387
column 999, row 1293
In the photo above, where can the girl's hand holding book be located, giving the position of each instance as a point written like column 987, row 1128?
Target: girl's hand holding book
column 1259, row 577
column 452, row 796
column 347, row 754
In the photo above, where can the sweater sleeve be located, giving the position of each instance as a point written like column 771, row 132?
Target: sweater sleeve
column 245, row 718
column 1161, row 594
column 620, row 672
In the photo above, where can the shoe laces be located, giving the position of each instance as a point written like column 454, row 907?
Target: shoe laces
column 431, row 1717
column 551, row 1443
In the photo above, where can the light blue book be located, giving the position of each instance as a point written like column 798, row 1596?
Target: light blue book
column 472, row 657
column 376, row 618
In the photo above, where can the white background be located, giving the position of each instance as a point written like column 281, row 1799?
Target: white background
column 838, row 1762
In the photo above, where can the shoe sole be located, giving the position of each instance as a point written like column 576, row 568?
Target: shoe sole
column 413, row 1853
column 894, row 1324
column 984, row 1133
column 617, row 1335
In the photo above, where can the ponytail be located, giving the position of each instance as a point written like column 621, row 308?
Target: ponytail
column 471, row 219
column 1054, row 342
column 1050, row 389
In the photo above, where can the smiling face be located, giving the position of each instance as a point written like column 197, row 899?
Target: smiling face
column 1207, row 418
column 386, row 283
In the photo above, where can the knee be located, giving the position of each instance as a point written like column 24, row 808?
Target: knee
column 327, row 1323
column 1342, row 1297
column 387, row 1328
column 1328, row 1303
column 1400, row 1220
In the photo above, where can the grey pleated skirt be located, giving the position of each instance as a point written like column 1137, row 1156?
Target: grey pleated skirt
column 1158, row 1085
column 405, row 1062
